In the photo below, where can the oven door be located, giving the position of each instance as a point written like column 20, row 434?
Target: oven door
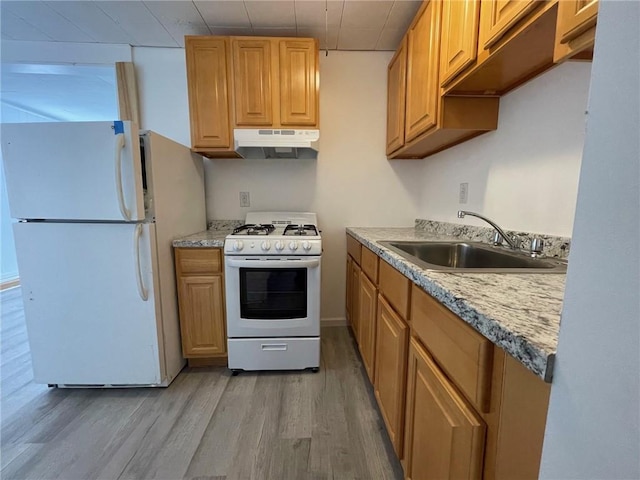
column 272, row 296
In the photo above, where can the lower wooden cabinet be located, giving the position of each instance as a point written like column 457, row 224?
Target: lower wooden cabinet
column 455, row 405
column 390, row 370
column 444, row 437
column 353, row 300
column 367, row 323
column 202, row 315
column 201, row 302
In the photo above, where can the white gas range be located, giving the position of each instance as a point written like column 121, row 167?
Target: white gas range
column 272, row 280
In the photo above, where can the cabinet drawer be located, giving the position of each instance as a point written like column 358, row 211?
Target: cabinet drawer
column 198, row 260
column 396, row 288
column 369, row 264
column 464, row 354
column 353, row 248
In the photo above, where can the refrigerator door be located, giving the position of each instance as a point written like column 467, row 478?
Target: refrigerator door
column 87, row 320
column 73, row 171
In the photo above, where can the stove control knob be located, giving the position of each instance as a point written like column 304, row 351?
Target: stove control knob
column 293, row 245
column 306, row 245
column 266, row 245
column 279, row 245
column 238, row 245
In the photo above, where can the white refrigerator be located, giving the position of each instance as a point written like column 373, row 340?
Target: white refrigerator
column 98, row 205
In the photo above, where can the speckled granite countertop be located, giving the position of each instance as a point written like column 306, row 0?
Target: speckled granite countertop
column 208, row 238
column 212, row 238
column 518, row 312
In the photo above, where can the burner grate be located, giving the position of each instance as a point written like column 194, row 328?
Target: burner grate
column 254, row 229
column 301, row 230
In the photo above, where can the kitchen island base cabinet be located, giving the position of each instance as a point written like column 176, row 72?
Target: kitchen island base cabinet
column 202, row 305
column 444, row 437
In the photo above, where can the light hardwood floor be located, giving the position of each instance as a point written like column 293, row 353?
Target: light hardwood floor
column 205, row 425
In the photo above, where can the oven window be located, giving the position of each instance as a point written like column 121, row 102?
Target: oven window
column 273, row 293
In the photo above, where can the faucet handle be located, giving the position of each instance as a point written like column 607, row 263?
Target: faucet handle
column 537, row 244
column 497, row 239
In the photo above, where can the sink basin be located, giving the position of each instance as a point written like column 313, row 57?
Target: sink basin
column 472, row 257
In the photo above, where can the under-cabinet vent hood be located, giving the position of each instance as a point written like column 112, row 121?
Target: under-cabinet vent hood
column 276, row 143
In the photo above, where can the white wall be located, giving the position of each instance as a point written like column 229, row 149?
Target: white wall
column 528, row 169
column 593, row 427
column 161, row 76
column 524, row 175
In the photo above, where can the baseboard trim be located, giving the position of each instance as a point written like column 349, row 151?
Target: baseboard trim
column 14, row 282
column 333, row 322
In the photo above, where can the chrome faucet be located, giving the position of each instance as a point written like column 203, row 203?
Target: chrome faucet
column 512, row 241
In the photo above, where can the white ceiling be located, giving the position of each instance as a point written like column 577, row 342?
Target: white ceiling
column 347, row 24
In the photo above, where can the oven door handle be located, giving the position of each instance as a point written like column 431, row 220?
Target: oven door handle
column 243, row 262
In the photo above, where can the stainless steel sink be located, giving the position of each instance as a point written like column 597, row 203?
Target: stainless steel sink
column 472, row 257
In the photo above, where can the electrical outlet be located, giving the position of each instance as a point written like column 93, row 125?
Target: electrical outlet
column 244, row 199
column 464, row 192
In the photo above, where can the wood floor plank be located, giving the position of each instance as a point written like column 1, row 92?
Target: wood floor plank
column 219, row 442
column 206, row 425
column 175, row 454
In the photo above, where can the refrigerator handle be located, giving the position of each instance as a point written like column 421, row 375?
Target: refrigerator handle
column 142, row 291
column 118, row 157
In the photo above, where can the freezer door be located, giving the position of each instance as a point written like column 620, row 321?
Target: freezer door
column 73, row 171
column 87, row 320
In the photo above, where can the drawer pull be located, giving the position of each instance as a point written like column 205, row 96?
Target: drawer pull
column 274, row 347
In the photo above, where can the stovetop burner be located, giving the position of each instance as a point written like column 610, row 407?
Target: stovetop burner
column 301, row 230
column 254, row 229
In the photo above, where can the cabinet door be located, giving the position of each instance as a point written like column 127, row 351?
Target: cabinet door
column 348, row 296
column 444, row 437
column 202, row 315
column 501, row 15
column 355, row 299
column 459, row 47
column 367, row 324
column 253, row 94
column 575, row 17
column 299, row 83
column 208, row 87
column 390, row 370
column 396, row 91
column 423, row 45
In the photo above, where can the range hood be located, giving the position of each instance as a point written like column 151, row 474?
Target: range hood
column 276, row 143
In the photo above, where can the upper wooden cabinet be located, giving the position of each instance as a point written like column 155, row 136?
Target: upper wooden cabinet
column 459, row 37
column 396, row 93
column 249, row 82
column 275, row 82
column 501, row 15
column 299, row 82
column 576, row 29
column 423, row 43
column 515, row 43
column 432, row 122
column 253, row 80
column 208, row 82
